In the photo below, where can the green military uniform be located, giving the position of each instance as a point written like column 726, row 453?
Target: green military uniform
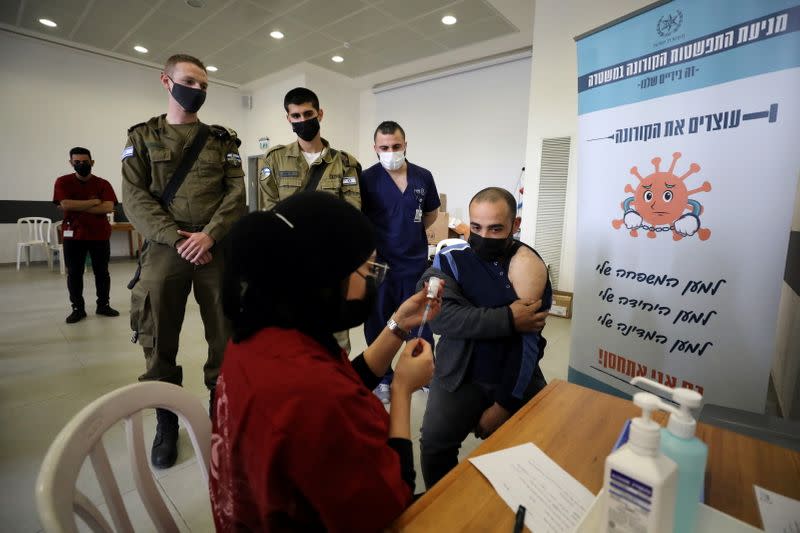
column 210, row 199
column 283, row 171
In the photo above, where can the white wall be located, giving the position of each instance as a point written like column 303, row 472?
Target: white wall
column 554, row 101
column 468, row 129
column 53, row 98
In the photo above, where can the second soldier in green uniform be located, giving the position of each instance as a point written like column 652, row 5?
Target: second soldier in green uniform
column 309, row 163
column 183, row 188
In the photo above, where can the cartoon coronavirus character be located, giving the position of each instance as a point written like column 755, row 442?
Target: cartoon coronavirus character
column 661, row 203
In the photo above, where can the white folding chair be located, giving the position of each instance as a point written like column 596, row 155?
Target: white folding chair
column 56, row 246
column 33, row 232
column 57, row 498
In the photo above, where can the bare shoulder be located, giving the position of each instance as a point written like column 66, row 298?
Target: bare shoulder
column 526, row 260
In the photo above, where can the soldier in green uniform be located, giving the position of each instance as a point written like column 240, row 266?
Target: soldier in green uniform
column 309, row 163
column 183, row 228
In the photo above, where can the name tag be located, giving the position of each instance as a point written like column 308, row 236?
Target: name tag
column 418, row 215
column 288, row 173
column 68, row 233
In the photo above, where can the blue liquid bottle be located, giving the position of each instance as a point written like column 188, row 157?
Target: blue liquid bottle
column 678, row 442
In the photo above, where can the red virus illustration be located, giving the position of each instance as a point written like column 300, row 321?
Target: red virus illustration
column 661, row 203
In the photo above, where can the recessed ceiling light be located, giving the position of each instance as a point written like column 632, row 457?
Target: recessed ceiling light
column 211, row 68
column 47, row 22
column 141, row 49
column 196, row 3
column 276, row 34
column 449, row 20
column 337, row 59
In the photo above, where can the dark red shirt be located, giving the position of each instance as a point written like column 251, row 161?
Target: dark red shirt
column 85, row 226
column 299, row 443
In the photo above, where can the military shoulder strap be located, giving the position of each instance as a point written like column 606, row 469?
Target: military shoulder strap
column 317, row 171
column 136, row 126
column 168, row 195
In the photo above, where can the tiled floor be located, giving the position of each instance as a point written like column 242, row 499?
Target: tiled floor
column 49, row 370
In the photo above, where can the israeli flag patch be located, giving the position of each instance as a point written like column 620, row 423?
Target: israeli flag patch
column 234, row 159
column 348, row 181
column 127, row 152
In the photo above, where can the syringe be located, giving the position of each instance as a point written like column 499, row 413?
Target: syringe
column 433, row 291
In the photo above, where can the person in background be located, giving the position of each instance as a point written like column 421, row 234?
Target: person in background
column 401, row 201
column 495, row 304
column 299, row 443
column 86, row 199
column 183, row 232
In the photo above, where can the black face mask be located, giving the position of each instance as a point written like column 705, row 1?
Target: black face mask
column 83, row 168
column 307, row 129
column 189, row 98
column 355, row 312
column 489, row 249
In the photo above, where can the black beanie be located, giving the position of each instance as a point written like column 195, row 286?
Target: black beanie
column 308, row 242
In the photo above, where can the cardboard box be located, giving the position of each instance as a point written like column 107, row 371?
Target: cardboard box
column 438, row 230
column 562, row 304
column 443, row 200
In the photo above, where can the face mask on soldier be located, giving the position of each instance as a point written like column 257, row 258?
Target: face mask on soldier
column 189, row 98
column 306, row 129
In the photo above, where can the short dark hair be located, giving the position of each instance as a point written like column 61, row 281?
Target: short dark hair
column 496, row 194
column 388, row 127
column 181, row 58
column 300, row 96
column 79, row 150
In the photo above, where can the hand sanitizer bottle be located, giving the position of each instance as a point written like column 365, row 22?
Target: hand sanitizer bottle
column 640, row 482
column 689, row 453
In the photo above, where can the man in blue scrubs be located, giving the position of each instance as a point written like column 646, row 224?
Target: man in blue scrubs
column 401, row 200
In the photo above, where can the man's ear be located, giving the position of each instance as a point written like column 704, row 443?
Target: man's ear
column 92, row 161
column 515, row 228
column 319, row 114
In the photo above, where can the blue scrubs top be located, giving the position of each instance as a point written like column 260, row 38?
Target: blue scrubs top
column 400, row 233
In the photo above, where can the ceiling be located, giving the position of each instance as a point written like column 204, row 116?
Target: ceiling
column 234, row 35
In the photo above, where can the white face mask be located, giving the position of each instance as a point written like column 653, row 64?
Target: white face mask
column 392, row 160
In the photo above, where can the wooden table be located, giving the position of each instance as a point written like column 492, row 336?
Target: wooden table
column 577, row 428
column 127, row 226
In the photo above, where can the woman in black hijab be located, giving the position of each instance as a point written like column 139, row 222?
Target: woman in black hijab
column 299, row 441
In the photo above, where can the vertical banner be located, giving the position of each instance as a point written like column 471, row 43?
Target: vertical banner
column 689, row 156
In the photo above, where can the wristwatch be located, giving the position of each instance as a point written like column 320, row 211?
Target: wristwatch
column 395, row 328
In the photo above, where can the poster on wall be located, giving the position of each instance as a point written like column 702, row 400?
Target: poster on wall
column 689, row 136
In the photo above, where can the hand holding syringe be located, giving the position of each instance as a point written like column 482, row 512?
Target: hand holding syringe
column 432, row 295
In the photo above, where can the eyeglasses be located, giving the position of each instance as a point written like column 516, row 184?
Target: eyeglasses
column 377, row 271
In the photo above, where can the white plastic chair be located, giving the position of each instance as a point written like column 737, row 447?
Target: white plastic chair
column 58, row 499
column 448, row 242
column 56, row 247
column 33, row 232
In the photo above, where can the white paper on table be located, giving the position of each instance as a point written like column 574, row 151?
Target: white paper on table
column 524, row 475
column 778, row 513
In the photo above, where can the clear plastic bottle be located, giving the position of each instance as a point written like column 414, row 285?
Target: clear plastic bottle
column 679, row 443
column 640, row 481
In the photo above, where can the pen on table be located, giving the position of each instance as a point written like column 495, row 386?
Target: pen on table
column 519, row 523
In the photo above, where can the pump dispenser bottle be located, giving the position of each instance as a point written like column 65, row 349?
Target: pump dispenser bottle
column 640, row 482
column 689, row 453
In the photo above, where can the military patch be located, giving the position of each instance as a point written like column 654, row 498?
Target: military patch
column 349, row 181
column 265, row 173
column 288, row 174
column 234, row 159
column 127, row 152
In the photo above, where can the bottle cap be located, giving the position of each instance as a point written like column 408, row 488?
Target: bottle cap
column 681, row 422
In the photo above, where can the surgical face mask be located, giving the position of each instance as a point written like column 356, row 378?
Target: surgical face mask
column 306, row 129
column 355, row 312
column 83, row 168
column 391, row 160
column 489, row 249
column 189, row 98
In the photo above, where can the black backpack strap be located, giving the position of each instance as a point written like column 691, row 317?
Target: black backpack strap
column 185, row 165
column 317, row 172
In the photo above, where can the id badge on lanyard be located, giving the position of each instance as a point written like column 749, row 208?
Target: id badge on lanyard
column 418, row 215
